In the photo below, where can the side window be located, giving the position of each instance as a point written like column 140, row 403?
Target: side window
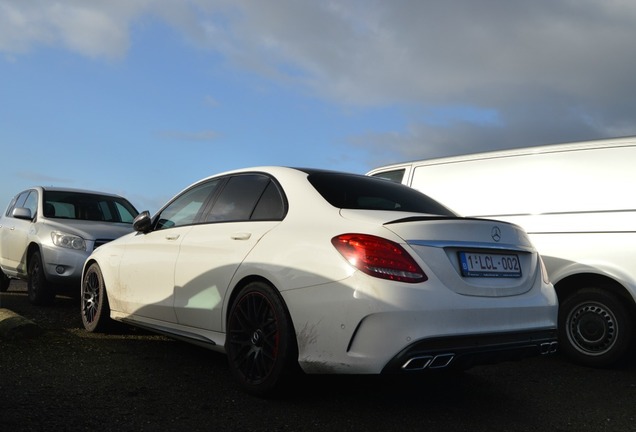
column 11, row 206
column 394, row 176
column 21, row 199
column 271, row 206
column 239, row 197
column 124, row 213
column 32, row 202
column 185, row 208
column 24, row 200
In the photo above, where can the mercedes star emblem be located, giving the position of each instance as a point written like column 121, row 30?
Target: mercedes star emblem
column 495, row 233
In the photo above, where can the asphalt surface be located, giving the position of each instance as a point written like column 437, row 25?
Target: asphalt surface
column 63, row 378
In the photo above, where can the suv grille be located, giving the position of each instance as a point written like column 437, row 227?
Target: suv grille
column 100, row 242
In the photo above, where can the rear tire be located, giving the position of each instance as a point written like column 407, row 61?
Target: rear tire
column 40, row 292
column 95, row 309
column 595, row 328
column 261, row 342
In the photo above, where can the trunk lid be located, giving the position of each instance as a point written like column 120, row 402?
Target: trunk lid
column 476, row 257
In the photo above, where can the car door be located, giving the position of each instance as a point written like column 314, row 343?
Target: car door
column 6, row 225
column 15, row 233
column 147, row 266
column 247, row 208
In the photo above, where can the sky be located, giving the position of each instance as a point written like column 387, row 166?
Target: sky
column 145, row 97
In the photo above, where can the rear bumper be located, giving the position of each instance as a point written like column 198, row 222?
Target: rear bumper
column 359, row 325
column 463, row 352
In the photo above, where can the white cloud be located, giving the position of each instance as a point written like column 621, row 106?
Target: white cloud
column 550, row 70
column 91, row 28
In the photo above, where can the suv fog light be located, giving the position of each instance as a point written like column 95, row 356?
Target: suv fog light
column 60, row 269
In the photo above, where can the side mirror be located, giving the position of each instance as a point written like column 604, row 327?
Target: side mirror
column 22, row 213
column 142, row 222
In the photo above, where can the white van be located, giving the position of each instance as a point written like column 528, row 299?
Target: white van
column 578, row 203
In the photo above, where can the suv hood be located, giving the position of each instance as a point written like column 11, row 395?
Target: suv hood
column 91, row 230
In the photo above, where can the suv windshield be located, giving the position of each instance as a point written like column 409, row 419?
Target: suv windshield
column 83, row 206
column 350, row 191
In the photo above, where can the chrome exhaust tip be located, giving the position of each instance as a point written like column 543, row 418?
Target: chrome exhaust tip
column 441, row 361
column 428, row 362
column 549, row 348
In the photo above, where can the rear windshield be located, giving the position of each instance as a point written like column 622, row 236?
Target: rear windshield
column 350, row 191
column 84, row 206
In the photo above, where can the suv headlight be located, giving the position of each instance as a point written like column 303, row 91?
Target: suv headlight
column 68, row 241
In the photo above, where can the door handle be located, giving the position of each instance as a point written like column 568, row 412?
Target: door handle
column 172, row 237
column 241, row 236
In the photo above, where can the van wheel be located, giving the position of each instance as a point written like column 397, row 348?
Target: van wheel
column 594, row 328
column 39, row 291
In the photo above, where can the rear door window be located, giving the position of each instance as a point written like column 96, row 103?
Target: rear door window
column 248, row 197
column 271, row 205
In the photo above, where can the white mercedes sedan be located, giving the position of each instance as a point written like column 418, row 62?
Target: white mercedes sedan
column 288, row 270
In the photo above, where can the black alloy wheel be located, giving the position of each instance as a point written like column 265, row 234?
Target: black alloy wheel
column 95, row 309
column 261, row 344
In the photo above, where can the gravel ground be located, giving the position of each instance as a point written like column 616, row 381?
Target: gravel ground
column 67, row 379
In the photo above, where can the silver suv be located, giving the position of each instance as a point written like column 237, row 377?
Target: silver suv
column 47, row 233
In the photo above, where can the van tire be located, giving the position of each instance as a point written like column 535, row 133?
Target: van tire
column 595, row 328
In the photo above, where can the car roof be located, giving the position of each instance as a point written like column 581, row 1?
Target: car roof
column 65, row 189
column 278, row 169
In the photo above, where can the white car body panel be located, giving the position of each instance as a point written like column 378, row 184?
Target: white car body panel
column 146, row 272
column 576, row 203
column 180, row 280
column 198, row 291
column 581, row 217
column 586, row 216
column 368, row 322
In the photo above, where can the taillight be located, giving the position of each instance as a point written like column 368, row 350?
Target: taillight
column 379, row 257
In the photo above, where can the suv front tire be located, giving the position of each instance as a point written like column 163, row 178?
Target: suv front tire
column 39, row 290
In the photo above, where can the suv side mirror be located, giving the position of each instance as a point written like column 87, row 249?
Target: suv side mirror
column 142, row 222
column 22, row 213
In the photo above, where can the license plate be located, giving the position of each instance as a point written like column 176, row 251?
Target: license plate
column 489, row 265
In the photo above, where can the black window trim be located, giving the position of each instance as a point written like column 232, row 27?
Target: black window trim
column 201, row 217
column 202, row 211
